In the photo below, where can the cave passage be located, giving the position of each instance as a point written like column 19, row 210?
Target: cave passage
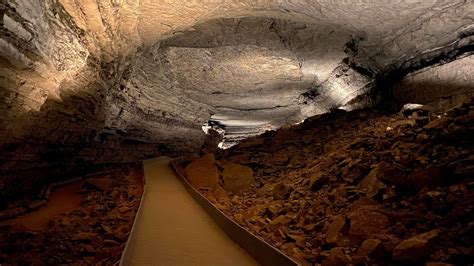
column 326, row 132
column 173, row 229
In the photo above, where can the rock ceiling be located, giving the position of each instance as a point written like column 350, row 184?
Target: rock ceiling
column 117, row 80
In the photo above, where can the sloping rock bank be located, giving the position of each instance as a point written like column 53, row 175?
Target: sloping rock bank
column 95, row 233
column 360, row 187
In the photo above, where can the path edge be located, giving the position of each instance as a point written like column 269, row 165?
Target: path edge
column 261, row 251
column 126, row 258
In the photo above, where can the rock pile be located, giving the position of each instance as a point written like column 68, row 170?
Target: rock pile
column 216, row 180
column 94, row 234
column 362, row 188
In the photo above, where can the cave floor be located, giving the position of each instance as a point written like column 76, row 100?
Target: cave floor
column 84, row 223
column 173, row 229
column 63, row 200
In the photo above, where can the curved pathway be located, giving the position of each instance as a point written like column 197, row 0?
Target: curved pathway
column 172, row 229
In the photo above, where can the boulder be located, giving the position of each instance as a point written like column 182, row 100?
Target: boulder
column 317, row 180
column 334, row 229
column 371, row 248
column 280, row 191
column 203, row 172
column 237, row 178
column 391, row 174
column 430, row 177
column 336, row 257
column 367, row 221
column 371, row 185
column 416, row 248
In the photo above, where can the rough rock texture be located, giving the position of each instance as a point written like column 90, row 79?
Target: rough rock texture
column 92, row 233
column 440, row 87
column 203, row 172
column 237, row 178
column 416, row 248
column 357, row 214
column 94, row 82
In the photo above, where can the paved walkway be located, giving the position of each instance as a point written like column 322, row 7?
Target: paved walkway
column 174, row 230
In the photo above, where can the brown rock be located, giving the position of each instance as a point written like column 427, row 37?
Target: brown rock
column 372, row 248
column 299, row 239
column 371, row 185
column 367, row 221
column 203, row 172
column 317, row 180
column 87, row 249
column 280, row 191
column 110, row 243
column 237, row 178
column 83, row 236
column 336, row 257
column 430, row 177
column 418, row 179
column 416, row 248
column 334, row 229
column 280, row 220
column 297, row 161
column 391, row 174
column 436, row 123
column 220, row 193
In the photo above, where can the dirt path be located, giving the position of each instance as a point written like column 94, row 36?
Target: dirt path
column 63, row 199
column 174, row 230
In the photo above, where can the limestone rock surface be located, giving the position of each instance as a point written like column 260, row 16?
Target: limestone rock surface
column 237, row 178
column 100, row 82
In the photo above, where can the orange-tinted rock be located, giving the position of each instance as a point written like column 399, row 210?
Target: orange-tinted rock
column 416, row 248
column 280, row 220
column 430, row 177
column 280, row 191
column 334, row 229
column 371, row 248
column 391, row 174
column 237, row 178
column 203, row 172
column 336, row 258
column 418, row 179
column 371, row 185
column 83, row 236
column 317, row 180
column 220, row 195
column 367, row 221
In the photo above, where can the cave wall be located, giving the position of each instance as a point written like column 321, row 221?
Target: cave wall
column 439, row 87
column 96, row 82
column 60, row 109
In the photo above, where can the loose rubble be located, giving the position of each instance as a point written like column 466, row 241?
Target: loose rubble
column 93, row 234
column 361, row 188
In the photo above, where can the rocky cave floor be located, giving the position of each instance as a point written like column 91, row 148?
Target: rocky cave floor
column 357, row 188
column 93, row 233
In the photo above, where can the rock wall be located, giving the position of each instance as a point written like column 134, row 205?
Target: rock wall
column 61, row 111
column 440, row 87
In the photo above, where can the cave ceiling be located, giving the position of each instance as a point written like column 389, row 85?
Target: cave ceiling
column 89, row 72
